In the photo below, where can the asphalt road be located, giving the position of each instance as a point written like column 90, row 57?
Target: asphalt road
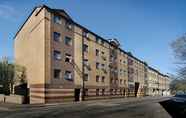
column 116, row 108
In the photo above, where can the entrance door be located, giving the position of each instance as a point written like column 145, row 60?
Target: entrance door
column 77, row 94
column 136, row 88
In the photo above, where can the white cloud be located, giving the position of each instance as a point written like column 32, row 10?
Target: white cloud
column 8, row 12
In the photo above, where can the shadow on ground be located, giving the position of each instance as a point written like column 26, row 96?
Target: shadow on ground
column 176, row 110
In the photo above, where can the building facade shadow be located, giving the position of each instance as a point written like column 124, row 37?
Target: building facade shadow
column 175, row 109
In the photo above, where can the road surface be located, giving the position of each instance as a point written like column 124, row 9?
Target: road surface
column 147, row 107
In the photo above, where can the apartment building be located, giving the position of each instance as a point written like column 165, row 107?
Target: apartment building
column 158, row 83
column 65, row 61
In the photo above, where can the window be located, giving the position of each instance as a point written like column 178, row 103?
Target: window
column 121, row 70
column 68, row 58
column 121, row 81
column 111, row 80
column 85, row 48
column 103, row 91
column 69, row 25
column 115, row 91
column 86, row 77
column 97, row 78
column 68, row 41
column 57, row 19
column 97, row 65
column 103, row 66
column 68, row 75
column 103, row 79
column 125, row 82
column 57, row 36
column 103, row 53
column 57, row 73
column 85, row 62
column 115, row 81
column 97, row 40
column 97, row 91
column 121, row 92
column 111, row 91
column 97, row 52
column 102, row 42
column 85, row 34
column 57, row 55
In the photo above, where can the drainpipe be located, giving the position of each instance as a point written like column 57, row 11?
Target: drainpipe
column 83, row 70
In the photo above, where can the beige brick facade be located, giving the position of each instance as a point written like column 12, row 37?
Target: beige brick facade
column 58, row 53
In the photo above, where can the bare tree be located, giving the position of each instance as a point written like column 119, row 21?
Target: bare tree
column 179, row 49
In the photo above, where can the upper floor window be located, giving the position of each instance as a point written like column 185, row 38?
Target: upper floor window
column 69, row 25
column 120, row 60
column 68, row 57
column 97, row 78
column 111, row 80
column 85, row 61
column 68, row 41
column 57, row 36
column 86, row 34
column 103, row 66
column 97, row 40
column 103, row 79
column 57, row 73
column 97, row 52
column 57, row 19
column 97, row 65
column 86, row 77
column 85, row 48
column 57, row 55
column 102, row 42
column 68, row 75
column 121, row 81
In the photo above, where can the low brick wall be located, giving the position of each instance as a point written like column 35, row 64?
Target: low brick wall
column 14, row 99
column 2, row 98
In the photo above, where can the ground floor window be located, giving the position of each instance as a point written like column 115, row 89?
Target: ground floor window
column 86, row 92
column 111, row 91
column 57, row 73
column 103, row 91
column 97, row 91
column 115, row 91
column 120, row 91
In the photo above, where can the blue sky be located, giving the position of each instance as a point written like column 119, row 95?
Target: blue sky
column 144, row 27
